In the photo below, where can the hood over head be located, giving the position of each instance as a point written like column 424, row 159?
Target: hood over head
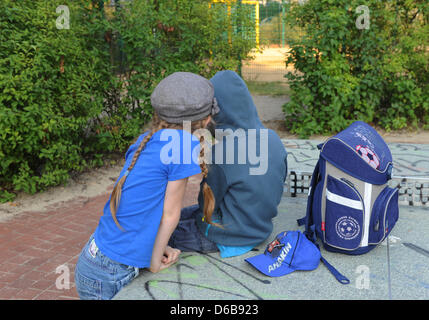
column 237, row 109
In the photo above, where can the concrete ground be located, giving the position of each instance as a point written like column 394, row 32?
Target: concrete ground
column 207, row 276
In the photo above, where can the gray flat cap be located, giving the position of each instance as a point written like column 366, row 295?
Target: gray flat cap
column 184, row 96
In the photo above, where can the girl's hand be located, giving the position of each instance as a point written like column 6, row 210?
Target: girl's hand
column 171, row 255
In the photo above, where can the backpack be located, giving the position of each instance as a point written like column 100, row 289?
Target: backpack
column 350, row 207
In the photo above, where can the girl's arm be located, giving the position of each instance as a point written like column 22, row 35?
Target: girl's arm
column 174, row 194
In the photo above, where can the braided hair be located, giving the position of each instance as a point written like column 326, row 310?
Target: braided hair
column 209, row 199
column 159, row 124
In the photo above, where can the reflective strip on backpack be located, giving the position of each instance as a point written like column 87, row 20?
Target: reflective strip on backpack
column 367, row 216
column 354, row 204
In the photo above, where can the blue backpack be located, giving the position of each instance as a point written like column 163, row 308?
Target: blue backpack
column 350, row 207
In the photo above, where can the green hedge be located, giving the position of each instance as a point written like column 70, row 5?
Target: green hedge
column 345, row 73
column 70, row 96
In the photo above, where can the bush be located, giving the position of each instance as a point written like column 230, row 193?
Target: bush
column 70, row 96
column 157, row 38
column 51, row 83
column 344, row 73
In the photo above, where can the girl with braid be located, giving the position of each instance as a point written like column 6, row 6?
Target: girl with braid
column 145, row 205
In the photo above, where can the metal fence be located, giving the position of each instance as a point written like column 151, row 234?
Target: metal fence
column 413, row 191
column 273, row 34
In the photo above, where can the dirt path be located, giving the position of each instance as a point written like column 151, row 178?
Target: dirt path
column 412, row 137
column 84, row 186
column 87, row 185
column 268, row 65
column 271, row 113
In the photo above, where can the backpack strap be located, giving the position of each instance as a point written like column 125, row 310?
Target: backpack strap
column 310, row 228
column 340, row 278
column 308, row 219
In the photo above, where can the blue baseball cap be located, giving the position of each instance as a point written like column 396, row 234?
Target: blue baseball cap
column 289, row 251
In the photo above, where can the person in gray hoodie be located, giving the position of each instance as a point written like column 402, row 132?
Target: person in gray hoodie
column 246, row 175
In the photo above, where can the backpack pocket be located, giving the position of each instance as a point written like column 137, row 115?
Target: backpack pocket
column 385, row 213
column 344, row 214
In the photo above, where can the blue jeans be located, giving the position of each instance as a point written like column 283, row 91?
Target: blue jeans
column 97, row 277
column 187, row 236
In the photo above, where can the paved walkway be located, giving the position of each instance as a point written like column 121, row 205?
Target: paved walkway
column 38, row 251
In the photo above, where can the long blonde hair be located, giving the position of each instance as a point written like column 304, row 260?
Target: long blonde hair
column 159, row 124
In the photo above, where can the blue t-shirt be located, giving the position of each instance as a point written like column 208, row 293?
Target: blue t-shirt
column 233, row 251
column 230, row 251
column 169, row 155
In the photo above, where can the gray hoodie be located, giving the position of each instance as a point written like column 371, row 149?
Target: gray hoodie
column 247, row 192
